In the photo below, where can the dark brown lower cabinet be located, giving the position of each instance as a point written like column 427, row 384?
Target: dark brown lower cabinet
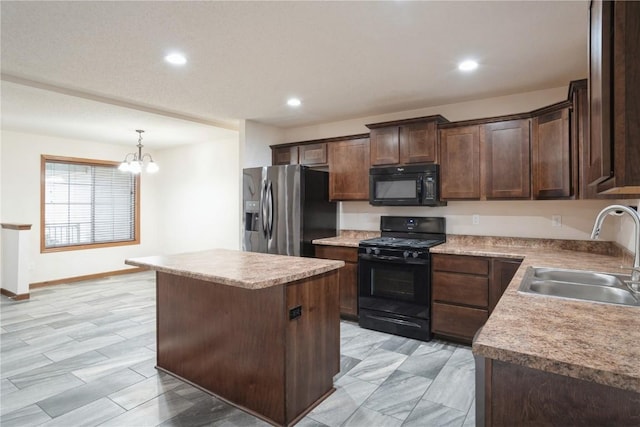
column 465, row 290
column 458, row 322
column 502, row 272
column 514, row 395
column 348, row 276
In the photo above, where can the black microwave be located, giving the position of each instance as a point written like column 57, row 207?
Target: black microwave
column 413, row 185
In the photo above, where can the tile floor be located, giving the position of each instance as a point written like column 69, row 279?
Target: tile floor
column 83, row 354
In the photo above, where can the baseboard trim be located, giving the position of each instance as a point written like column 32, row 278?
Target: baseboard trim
column 15, row 297
column 86, row 277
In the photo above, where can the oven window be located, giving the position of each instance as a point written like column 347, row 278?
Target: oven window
column 400, row 189
column 392, row 284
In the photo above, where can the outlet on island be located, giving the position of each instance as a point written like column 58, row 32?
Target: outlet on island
column 295, row 312
column 475, row 219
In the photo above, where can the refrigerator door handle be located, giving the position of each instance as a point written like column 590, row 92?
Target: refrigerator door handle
column 270, row 217
column 263, row 207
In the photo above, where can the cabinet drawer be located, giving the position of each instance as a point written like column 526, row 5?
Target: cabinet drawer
column 337, row 252
column 461, row 264
column 462, row 322
column 313, row 154
column 461, row 289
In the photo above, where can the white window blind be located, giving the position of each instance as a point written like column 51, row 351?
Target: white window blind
column 87, row 204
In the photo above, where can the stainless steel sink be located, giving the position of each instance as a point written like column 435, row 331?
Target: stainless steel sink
column 579, row 285
column 576, row 276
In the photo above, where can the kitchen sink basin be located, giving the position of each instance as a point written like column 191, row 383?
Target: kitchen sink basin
column 579, row 285
column 576, row 276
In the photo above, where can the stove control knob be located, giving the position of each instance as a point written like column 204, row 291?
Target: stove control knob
column 405, row 254
column 415, row 254
column 368, row 250
column 376, row 251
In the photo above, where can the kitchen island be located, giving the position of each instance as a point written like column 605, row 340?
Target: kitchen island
column 259, row 331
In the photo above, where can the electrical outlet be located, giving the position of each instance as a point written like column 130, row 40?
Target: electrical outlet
column 475, row 219
column 556, row 221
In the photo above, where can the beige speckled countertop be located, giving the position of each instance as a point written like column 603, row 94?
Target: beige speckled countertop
column 347, row 238
column 586, row 340
column 248, row 270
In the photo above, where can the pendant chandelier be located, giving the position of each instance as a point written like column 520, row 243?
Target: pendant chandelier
column 135, row 162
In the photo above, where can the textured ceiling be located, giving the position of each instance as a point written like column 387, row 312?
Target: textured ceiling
column 343, row 59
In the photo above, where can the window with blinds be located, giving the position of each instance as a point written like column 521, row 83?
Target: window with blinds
column 87, row 203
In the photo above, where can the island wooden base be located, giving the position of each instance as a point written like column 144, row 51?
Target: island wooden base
column 242, row 346
column 247, row 410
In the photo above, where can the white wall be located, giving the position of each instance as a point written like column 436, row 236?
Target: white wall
column 255, row 139
column 198, row 197
column 511, row 104
column 527, row 218
column 191, row 204
column 20, row 194
column 624, row 225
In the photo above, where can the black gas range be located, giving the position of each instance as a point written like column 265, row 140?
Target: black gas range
column 394, row 275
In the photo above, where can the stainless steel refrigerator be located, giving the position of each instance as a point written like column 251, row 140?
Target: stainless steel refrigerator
column 285, row 208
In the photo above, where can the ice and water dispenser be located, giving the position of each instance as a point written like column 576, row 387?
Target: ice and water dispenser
column 251, row 215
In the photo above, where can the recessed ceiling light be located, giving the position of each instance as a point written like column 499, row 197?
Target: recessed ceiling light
column 176, row 59
column 468, row 65
column 293, row 102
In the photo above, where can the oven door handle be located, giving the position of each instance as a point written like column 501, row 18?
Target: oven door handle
column 396, row 321
column 395, row 260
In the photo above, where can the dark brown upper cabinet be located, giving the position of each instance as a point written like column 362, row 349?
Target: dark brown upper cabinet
column 405, row 141
column 579, row 134
column 349, row 169
column 385, row 146
column 345, row 157
column 460, row 163
column 304, row 154
column 614, row 91
column 485, row 159
column 284, row 155
column 313, row 154
column 551, row 152
column 506, row 148
column 599, row 148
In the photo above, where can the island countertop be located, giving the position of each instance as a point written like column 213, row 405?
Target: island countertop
column 249, row 270
column 580, row 339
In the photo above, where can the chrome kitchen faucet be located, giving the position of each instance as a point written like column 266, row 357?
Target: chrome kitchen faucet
column 618, row 210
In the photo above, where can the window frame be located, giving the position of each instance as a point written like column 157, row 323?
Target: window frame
column 44, row 158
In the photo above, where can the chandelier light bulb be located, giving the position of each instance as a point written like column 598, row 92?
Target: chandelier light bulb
column 135, row 167
column 152, row 167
